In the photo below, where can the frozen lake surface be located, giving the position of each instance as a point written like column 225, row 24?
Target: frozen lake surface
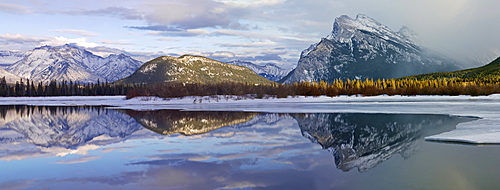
column 483, row 131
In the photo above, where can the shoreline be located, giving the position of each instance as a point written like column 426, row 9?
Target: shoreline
column 483, row 131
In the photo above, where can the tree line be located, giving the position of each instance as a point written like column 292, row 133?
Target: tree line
column 63, row 88
column 367, row 87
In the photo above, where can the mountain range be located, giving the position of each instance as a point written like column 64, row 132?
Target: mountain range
column 9, row 57
column 364, row 48
column 69, row 62
column 192, row 69
column 269, row 71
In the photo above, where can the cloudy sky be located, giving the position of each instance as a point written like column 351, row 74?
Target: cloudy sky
column 259, row 31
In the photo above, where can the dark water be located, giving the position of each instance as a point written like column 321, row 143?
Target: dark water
column 96, row 148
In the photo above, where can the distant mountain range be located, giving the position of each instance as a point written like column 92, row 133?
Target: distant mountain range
column 73, row 63
column 364, row 48
column 192, row 69
column 9, row 57
column 269, row 71
column 491, row 70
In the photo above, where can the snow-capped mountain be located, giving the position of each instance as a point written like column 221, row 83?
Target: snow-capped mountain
column 10, row 57
column 364, row 48
column 363, row 141
column 70, row 62
column 48, row 127
column 269, row 71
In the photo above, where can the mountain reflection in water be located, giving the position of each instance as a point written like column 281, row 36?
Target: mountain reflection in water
column 356, row 140
column 365, row 140
column 166, row 122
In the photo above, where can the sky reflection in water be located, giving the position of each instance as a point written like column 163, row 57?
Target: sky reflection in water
column 91, row 147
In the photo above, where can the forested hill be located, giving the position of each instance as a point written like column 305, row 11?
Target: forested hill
column 489, row 71
column 190, row 69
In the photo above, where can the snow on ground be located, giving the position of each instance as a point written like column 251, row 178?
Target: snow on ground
column 485, row 130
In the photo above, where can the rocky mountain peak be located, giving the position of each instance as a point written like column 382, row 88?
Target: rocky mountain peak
column 363, row 48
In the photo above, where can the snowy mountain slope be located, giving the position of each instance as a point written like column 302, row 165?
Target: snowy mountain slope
column 269, row 71
column 9, row 77
column 69, row 62
column 364, row 48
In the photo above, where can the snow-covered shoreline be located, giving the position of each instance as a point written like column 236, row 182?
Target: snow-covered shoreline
column 483, row 131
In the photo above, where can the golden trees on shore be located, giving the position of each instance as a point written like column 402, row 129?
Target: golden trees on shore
column 367, row 87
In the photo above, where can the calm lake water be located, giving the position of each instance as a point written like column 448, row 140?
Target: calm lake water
column 97, row 148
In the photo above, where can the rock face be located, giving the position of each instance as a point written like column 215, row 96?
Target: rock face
column 192, row 69
column 69, row 62
column 364, row 48
column 269, row 71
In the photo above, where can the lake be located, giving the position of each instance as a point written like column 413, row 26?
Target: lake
column 49, row 147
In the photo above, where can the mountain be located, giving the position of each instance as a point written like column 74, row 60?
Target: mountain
column 192, row 69
column 9, row 57
column 269, row 71
column 491, row 70
column 70, row 62
column 364, row 48
column 9, row 77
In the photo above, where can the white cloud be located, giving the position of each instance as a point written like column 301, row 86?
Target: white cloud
column 15, row 9
column 168, row 39
column 60, row 40
column 254, row 3
column 76, row 32
column 78, row 160
column 251, row 44
column 19, row 38
column 121, row 42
